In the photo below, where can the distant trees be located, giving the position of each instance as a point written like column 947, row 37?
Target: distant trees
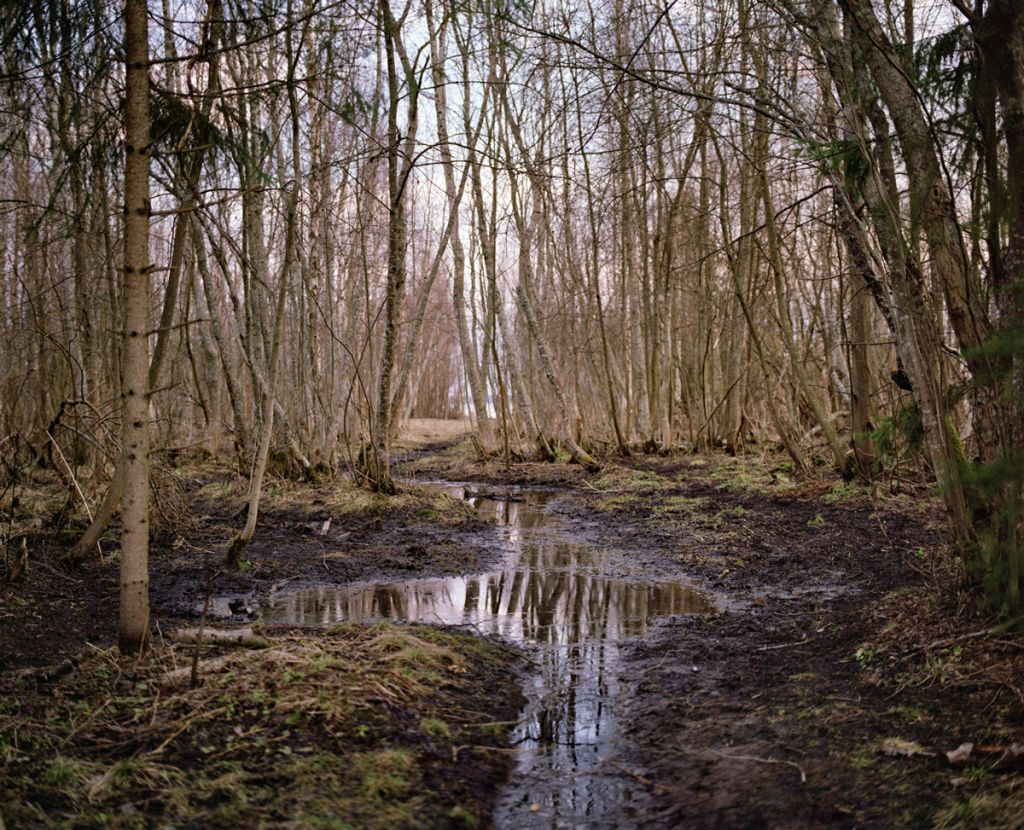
column 642, row 227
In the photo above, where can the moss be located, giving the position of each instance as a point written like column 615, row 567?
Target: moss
column 741, row 475
column 907, row 714
column 459, row 816
column 843, row 492
column 615, row 504
column 435, row 727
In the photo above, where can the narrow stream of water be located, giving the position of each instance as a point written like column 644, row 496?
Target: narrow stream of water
column 572, row 605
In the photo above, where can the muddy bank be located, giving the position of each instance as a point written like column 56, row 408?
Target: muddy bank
column 332, row 533
column 390, row 727
column 843, row 663
column 830, row 688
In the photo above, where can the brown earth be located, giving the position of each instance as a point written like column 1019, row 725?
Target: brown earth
column 846, row 661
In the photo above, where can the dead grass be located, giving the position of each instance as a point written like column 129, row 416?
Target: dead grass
column 417, row 433
column 341, row 499
column 997, row 805
column 319, row 730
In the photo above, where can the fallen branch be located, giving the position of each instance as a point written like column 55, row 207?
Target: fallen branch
column 802, row 642
column 47, row 674
column 1002, row 628
column 242, row 637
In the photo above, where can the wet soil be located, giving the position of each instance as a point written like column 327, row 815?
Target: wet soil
column 847, row 659
column 844, row 662
column 447, row 742
column 332, row 533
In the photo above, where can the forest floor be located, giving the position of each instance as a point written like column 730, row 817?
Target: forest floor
column 843, row 664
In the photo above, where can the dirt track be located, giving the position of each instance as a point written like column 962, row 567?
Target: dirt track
column 825, row 694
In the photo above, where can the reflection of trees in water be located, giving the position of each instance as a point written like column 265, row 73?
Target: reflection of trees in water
column 551, row 593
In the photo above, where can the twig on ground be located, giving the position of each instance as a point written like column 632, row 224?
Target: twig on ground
column 242, row 637
column 951, row 641
column 759, row 760
column 804, row 641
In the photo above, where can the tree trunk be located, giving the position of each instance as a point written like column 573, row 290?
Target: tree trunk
column 133, row 636
column 932, row 209
column 1003, row 48
column 400, row 161
column 470, row 360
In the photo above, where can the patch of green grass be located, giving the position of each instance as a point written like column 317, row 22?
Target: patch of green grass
column 614, row 504
column 340, row 499
column 944, row 665
column 841, row 492
column 495, row 727
column 907, row 714
column 624, row 479
column 435, row 727
column 459, row 816
column 860, row 758
column 865, row 655
column 801, row 677
column 675, row 506
column 976, row 773
column 743, row 475
column 386, row 775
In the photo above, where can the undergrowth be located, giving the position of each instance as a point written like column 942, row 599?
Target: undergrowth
column 352, row 727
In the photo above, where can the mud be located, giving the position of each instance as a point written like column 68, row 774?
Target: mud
column 842, row 632
column 845, row 662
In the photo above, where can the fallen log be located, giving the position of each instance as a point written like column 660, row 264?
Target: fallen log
column 241, row 637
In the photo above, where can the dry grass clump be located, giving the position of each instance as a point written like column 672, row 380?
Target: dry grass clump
column 615, row 479
column 341, row 499
column 999, row 807
column 320, row 729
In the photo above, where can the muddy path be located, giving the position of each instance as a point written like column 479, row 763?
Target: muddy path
column 840, row 666
column 708, row 642
column 564, row 595
column 711, row 644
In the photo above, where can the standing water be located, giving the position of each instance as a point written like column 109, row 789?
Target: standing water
column 572, row 605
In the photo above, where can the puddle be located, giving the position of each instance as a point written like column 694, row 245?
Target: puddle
column 572, row 605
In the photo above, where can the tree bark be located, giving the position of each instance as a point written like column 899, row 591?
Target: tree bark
column 133, row 635
column 932, row 209
column 400, row 161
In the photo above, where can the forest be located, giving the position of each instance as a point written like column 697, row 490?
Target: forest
column 470, row 413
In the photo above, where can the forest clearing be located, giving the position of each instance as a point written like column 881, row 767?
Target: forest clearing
column 517, row 415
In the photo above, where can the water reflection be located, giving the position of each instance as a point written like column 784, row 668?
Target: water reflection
column 571, row 603
column 550, row 594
